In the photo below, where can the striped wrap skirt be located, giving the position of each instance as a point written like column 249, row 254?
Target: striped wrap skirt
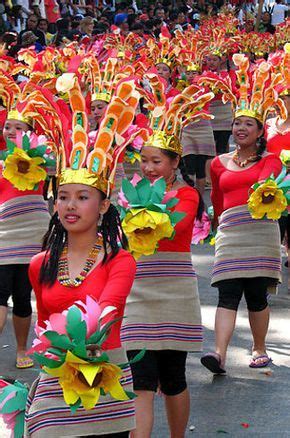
column 23, row 223
column 163, row 308
column 246, row 247
column 197, row 139
column 48, row 416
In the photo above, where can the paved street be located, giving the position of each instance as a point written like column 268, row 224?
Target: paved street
column 222, row 405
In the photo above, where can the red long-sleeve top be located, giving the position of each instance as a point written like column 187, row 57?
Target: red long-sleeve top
column 188, row 204
column 8, row 191
column 230, row 188
column 108, row 283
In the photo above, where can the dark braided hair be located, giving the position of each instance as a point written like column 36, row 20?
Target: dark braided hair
column 56, row 236
column 186, row 178
column 261, row 142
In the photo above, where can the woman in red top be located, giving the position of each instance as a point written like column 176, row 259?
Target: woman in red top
column 163, row 310
column 55, row 276
column 246, row 259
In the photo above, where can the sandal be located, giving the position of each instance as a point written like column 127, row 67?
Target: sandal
column 255, row 364
column 212, row 362
column 24, row 362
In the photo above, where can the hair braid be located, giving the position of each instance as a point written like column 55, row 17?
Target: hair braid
column 186, row 178
column 53, row 243
column 112, row 232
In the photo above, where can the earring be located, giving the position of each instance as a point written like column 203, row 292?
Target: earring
column 100, row 220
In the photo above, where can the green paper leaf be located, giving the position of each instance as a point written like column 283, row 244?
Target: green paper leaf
column 255, row 186
column 10, row 146
column 47, row 362
column 39, row 151
column 130, row 192
column 59, row 341
column 57, row 352
column 176, row 217
column 25, row 143
column 73, row 318
column 172, row 203
column 131, row 395
column 75, row 406
column 102, row 392
column 17, row 402
column 80, row 350
column 144, row 190
column 18, row 431
column 285, row 184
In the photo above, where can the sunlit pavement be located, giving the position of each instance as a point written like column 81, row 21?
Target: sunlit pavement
column 246, row 402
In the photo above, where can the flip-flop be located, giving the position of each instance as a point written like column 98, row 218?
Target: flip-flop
column 24, row 362
column 264, row 364
column 212, row 362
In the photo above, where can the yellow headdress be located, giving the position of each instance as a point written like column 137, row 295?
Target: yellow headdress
column 97, row 167
column 12, row 96
column 164, row 51
column 257, row 94
column 167, row 122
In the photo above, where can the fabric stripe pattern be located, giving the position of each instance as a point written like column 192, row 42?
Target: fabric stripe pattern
column 246, row 247
column 48, row 415
column 163, row 309
column 23, row 222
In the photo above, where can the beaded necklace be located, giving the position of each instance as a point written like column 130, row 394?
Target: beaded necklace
column 63, row 271
column 243, row 163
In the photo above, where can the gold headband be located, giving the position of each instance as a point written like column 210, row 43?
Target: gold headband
column 285, row 92
column 164, row 61
column 15, row 115
column 105, row 97
column 161, row 140
column 192, row 67
column 248, row 113
column 83, row 176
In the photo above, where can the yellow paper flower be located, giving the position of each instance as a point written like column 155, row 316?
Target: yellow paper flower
column 23, row 171
column 267, row 200
column 144, row 229
column 81, row 379
column 65, row 82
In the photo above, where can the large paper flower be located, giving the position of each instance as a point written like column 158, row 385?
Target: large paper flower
column 23, row 171
column 267, row 200
column 144, row 229
column 85, row 380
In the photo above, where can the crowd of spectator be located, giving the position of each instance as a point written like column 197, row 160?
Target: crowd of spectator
column 45, row 22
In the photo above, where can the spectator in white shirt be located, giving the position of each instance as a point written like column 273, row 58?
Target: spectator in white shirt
column 278, row 12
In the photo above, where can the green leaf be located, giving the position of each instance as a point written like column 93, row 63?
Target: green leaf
column 285, row 184
column 47, row 362
column 18, row 430
column 73, row 319
column 80, row 350
column 131, row 395
column 143, row 188
column 176, row 217
column 57, row 352
column 75, row 406
column 10, row 146
column 59, row 341
column 172, row 202
column 39, row 151
column 25, row 143
column 130, row 192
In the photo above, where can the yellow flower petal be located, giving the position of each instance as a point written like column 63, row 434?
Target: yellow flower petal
column 89, row 372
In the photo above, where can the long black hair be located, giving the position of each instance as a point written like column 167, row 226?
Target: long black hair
column 56, row 237
column 261, row 142
column 186, row 178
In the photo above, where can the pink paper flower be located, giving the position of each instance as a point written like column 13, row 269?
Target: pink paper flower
column 201, row 229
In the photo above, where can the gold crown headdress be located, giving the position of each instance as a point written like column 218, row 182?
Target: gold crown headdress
column 164, row 51
column 257, row 94
column 97, row 167
column 280, row 61
column 191, row 49
column 167, row 122
column 12, row 96
column 103, row 80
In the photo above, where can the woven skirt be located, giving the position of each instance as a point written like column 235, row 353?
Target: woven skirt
column 223, row 115
column 246, row 247
column 163, row 308
column 48, row 416
column 197, row 139
column 23, row 223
